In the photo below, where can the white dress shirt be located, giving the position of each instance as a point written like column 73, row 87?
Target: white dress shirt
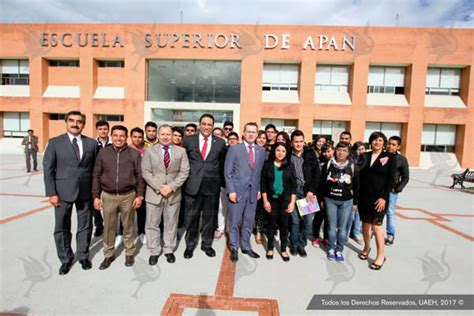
column 79, row 143
column 201, row 144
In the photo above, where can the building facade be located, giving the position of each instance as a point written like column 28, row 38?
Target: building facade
column 412, row 82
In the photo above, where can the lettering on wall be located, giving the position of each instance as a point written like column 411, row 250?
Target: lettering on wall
column 195, row 41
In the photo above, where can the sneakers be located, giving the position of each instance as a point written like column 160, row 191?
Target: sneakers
column 142, row 238
column 118, row 240
column 316, row 243
column 389, row 240
column 325, row 243
column 339, row 257
column 331, row 255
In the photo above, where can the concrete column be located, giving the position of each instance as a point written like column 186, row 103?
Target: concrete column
column 307, row 75
column 358, row 92
column 416, row 74
column 251, row 90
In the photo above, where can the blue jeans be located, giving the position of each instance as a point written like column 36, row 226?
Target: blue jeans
column 391, row 213
column 354, row 219
column 301, row 227
column 338, row 215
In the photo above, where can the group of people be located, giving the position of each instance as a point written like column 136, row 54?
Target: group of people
column 213, row 183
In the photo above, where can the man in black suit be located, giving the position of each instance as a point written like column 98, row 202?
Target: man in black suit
column 68, row 164
column 206, row 155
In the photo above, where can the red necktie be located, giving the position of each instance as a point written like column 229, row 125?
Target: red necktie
column 204, row 149
column 252, row 161
column 166, row 156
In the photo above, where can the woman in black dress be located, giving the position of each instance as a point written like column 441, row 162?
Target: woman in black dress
column 376, row 182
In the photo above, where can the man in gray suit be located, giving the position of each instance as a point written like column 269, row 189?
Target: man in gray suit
column 165, row 167
column 31, row 149
column 68, row 164
column 242, row 171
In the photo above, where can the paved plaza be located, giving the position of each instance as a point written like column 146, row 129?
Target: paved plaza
column 432, row 254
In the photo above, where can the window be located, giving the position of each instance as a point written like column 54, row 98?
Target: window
column 330, row 129
column 443, row 81
column 16, row 124
column 15, row 72
column 386, row 80
column 332, row 78
column 280, row 77
column 63, row 63
column 111, row 63
column 389, row 129
column 194, row 81
column 111, row 117
column 438, row 137
column 57, row 116
column 281, row 125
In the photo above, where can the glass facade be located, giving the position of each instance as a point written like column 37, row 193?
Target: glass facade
column 194, row 81
column 177, row 117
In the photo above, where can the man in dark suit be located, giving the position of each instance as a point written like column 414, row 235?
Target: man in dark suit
column 242, row 171
column 206, row 155
column 68, row 164
column 31, row 149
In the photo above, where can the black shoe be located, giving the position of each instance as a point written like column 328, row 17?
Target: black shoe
column 106, row 263
column 65, row 268
column 153, row 260
column 389, row 240
column 285, row 258
column 234, row 255
column 98, row 231
column 129, row 261
column 86, row 264
column 269, row 257
column 293, row 251
column 302, row 252
column 188, row 253
column 170, row 257
column 209, row 252
column 251, row 253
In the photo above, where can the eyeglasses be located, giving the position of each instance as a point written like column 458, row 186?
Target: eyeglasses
column 190, row 130
column 228, row 128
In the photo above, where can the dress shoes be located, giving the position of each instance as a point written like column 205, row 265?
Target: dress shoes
column 188, row 253
column 106, row 263
column 293, row 251
column 98, row 231
column 153, row 260
column 234, row 255
column 209, row 252
column 65, row 268
column 86, row 264
column 170, row 257
column 251, row 253
column 129, row 261
column 302, row 252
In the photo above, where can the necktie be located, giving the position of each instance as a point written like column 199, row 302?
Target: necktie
column 76, row 148
column 252, row 161
column 166, row 157
column 204, row 149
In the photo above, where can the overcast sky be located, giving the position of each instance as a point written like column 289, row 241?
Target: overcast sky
column 413, row 13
